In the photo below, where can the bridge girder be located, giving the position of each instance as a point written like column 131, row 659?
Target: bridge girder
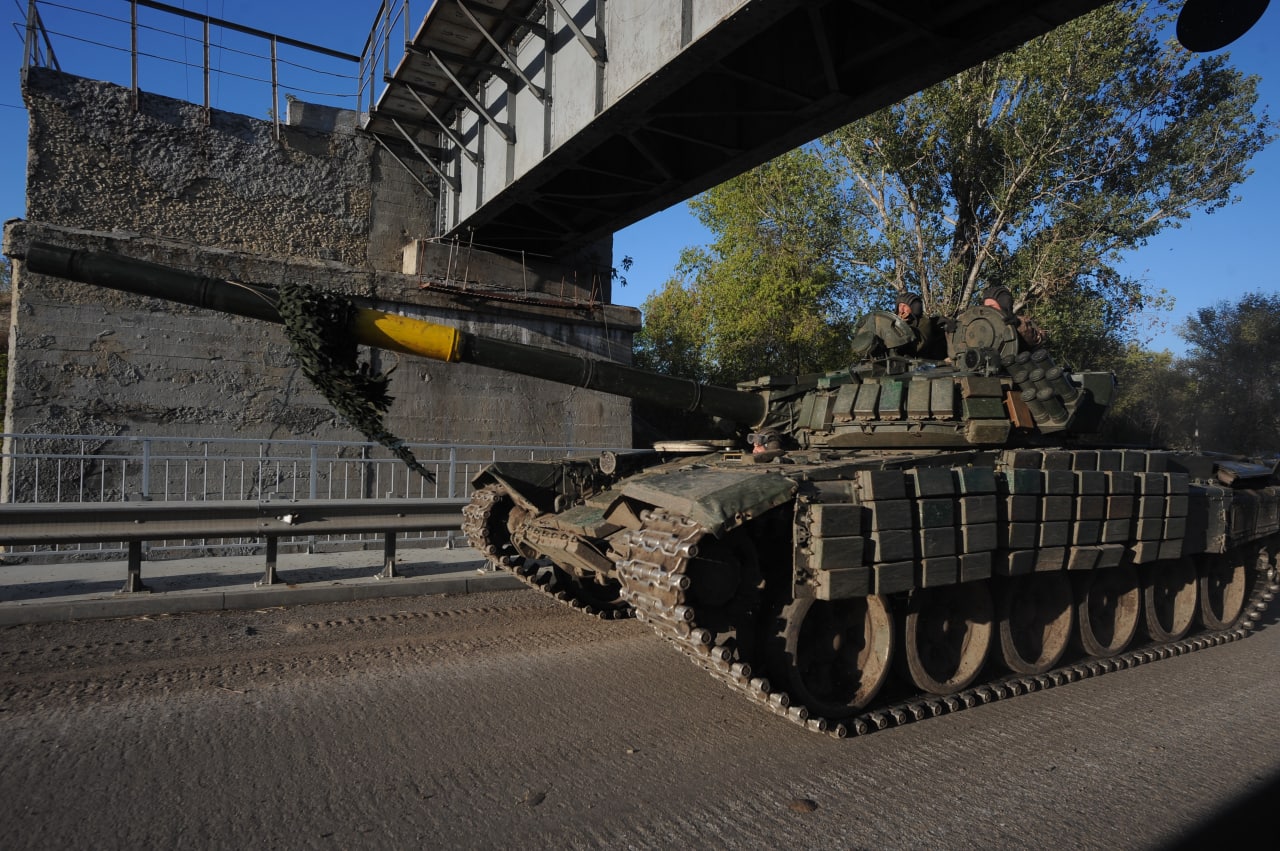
column 558, row 122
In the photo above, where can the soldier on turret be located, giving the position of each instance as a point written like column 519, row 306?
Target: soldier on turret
column 930, row 340
column 999, row 298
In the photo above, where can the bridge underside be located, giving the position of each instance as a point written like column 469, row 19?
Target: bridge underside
column 658, row 101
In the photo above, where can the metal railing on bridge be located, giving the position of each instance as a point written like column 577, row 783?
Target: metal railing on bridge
column 136, row 524
column 105, row 469
column 237, row 63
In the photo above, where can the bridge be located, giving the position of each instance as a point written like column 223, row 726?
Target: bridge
column 554, row 123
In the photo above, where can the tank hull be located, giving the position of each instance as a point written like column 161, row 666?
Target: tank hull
column 857, row 590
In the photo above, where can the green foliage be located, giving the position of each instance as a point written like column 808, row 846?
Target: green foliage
column 673, row 339
column 317, row 322
column 1083, row 326
column 1037, row 170
column 1234, row 365
column 1223, row 396
column 763, row 297
column 1155, row 401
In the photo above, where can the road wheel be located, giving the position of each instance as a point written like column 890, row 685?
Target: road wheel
column 1107, row 606
column 1033, row 617
column 834, row 654
column 1223, row 582
column 1169, row 595
column 946, row 636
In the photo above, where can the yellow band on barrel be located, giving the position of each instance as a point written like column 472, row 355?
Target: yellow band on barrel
column 402, row 334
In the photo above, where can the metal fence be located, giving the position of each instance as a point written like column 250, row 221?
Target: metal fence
column 151, row 45
column 64, row 468
column 383, row 49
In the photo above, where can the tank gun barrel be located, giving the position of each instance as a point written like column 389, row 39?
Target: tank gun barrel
column 387, row 330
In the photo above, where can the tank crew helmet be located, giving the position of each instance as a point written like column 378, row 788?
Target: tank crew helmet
column 765, row 441
column 999, row 294
column 913, row 302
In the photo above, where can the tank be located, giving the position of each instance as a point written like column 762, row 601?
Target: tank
column 866, row 547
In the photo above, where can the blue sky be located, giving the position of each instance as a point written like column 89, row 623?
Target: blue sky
column 1210, row 258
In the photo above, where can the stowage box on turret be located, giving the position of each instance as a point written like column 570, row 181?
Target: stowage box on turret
column 878, row 544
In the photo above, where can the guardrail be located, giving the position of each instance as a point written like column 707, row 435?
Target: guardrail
column 106, row 469
column 114, row 468
column 270, row 520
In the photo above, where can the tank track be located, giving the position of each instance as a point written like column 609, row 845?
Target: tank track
column 478, row 524
column 476, row 517
column 653, row 570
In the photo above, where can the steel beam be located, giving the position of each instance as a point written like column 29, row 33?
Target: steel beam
column 501, row 129
column 444, row 127
column 511, row 63
column 448, row 180
column 594, row 45
column 403, row 164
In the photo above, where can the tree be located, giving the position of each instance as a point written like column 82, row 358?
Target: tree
column 1036, row 170
column 1155, row 401
column 764, row 297
column 1234, row 365
column 673, row 339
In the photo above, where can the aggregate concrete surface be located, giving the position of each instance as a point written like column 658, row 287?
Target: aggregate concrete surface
column 503, row 719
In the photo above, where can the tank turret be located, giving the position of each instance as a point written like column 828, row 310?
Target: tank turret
column 883, row 543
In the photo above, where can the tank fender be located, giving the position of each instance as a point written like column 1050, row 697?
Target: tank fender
column 717, row 500
column 1248, row 473
column 536, row 485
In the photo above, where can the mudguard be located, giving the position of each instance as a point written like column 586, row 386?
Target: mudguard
column 536, row 485
column 717, row 500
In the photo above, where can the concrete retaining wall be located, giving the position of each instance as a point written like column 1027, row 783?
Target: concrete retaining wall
column 322, row 206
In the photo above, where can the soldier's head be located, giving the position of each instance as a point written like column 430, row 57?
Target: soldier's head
column 998, row 297
column 910, row 306
column 765, row 441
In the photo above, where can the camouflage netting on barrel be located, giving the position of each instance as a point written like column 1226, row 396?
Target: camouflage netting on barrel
column 318, row 325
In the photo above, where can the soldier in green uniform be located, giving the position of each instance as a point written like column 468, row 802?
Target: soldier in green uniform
column 930, row 340
column 999, row 298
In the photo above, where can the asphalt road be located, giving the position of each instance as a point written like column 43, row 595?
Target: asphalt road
column 501, row 720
